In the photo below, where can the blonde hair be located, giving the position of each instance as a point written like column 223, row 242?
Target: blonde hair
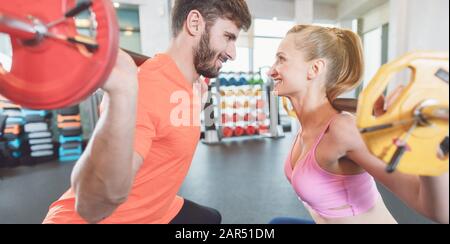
column 343, row 51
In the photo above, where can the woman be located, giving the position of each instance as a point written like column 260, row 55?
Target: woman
column 329, row 166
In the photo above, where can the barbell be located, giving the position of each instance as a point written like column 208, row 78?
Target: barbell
column 54, row 66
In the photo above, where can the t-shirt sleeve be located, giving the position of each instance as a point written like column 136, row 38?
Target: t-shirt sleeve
column 148, row 118
column 145, row 131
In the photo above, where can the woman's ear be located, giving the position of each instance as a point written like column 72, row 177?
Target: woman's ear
column 195, row 24
column 316, row 69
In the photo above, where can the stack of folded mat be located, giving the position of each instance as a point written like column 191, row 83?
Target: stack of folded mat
column 39, row 135
column 13, row 146
column 70, row 131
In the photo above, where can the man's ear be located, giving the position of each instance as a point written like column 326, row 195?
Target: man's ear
column 195, row 23
column 316, row 68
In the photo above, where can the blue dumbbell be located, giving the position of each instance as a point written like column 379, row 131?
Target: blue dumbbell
column 41, row 113
column 70, row 158
column 223, row 81
column 16, row 154
column 232, row 82
column 15, row 120
column 14, row 144
column 65, row 139
column 65, row 152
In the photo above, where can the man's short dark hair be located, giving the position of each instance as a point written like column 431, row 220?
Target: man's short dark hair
column 211, row 10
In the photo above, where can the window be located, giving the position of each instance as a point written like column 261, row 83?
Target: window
column 268, row 36
column 130, row 34
column 265, row 50
column 372, row 53
column 272, row 28
column 242, row 62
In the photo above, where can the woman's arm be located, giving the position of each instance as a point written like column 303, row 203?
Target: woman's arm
column 427, row 195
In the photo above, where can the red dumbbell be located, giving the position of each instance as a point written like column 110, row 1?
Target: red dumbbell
column 227, row 132
column 248, row 117
column 239, row 131
column 261, row 116
column 260, row 104
column 236, row 117
column 251, row 130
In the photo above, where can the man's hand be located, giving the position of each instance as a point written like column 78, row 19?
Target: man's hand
column 123, row 78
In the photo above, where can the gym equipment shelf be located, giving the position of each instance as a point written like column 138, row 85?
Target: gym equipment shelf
column 241, row 105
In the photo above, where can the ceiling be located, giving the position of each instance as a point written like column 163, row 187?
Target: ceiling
column 320, row 1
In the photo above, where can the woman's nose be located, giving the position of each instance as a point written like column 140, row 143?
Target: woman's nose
column 272, row 72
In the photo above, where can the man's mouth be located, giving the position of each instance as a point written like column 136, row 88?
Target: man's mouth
column 222, row 60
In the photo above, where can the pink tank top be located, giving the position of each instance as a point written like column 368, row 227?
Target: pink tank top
column 330, row 195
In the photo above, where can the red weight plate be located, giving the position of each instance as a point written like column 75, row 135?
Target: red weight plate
column 54, row 73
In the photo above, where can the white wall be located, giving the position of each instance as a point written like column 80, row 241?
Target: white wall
column 267, row 9
column 418, row 25
column 351, row 9
column 376, row 18
column 325, row 13
column 304, row 11
column 289, row 10
column 155, row 24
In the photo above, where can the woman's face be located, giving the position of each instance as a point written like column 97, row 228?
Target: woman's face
column 290, row 71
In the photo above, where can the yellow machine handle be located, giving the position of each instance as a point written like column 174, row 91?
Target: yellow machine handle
column 289, row 110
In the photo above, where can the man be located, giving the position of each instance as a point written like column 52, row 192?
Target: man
column 114, row 182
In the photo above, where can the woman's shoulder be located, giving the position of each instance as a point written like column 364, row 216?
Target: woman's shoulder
column 343, row 122
column 344, row 130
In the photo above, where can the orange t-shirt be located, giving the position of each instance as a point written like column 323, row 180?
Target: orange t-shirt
column 167, row 149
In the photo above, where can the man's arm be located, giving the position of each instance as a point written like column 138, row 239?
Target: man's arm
column 103, row 177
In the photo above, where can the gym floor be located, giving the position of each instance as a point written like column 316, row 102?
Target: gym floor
column 244, row 180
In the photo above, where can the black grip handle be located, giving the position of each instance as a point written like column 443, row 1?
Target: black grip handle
column 82, row 6
column 376, row 128
column 2, row 124
column 138, row 58
column 91, row 45
column 444, row 146
column 392, row 166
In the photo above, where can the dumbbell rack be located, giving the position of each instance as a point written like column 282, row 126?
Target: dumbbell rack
column 39, row 134
column 241, row 105
column 13, row 145
column 71, row 130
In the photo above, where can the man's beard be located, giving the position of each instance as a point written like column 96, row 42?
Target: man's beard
column 205, row 58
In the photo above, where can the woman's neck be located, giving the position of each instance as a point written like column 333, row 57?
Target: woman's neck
column 312, row 109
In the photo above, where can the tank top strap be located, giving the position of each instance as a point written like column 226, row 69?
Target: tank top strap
column 319, row 139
